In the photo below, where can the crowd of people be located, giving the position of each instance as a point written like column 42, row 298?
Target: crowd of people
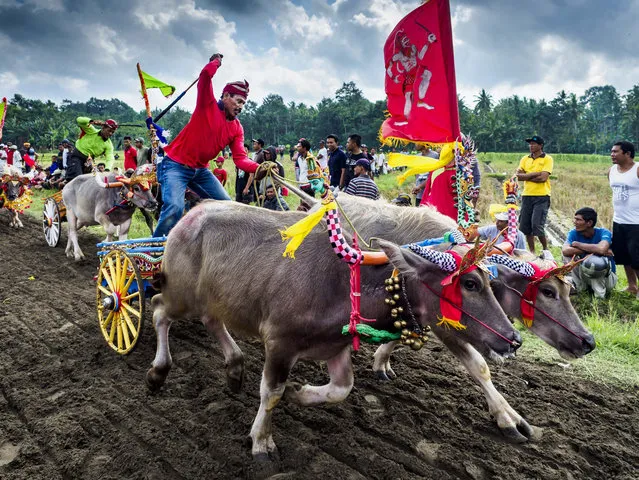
column 214, row 128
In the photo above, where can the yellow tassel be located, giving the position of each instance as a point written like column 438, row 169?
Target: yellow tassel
column 416, row 164
column 528, row 322
column 447, row 322
column 297, row 233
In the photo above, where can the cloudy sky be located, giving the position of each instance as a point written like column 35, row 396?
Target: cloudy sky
column 305, row 49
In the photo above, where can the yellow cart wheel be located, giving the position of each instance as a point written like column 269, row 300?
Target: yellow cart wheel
column 120, row 301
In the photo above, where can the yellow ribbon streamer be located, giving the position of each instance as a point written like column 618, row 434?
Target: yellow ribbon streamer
column 418, row 164
column 297, row 233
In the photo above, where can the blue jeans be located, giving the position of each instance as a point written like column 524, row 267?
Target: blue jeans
column 175, row 178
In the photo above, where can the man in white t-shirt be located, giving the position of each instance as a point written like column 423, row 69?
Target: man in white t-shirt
column 322, row 155
column 380, row 158
column 624, row 182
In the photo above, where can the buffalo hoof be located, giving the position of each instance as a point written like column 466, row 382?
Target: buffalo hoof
column 381, row 376
column 235, row 384
column 391, row 374
column 519, row 434
column 154, row 380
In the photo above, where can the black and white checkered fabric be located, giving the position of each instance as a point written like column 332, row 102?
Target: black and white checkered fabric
column 523, row 268
column 458, row 237
column 444, row 260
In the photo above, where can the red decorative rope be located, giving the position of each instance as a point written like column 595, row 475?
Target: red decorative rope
column 356, row 295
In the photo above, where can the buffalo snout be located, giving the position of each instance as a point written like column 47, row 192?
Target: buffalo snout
column 516, row 339
column 588, row 343
column 151, row 205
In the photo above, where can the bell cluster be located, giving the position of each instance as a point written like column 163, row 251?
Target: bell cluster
column 414, row 338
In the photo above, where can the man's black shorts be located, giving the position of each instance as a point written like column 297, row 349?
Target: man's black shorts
column 625, row 244
column 532, row 218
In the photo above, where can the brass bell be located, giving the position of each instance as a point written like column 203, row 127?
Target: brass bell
column 404, row 323
column 416, row 345
column 395, row 311
column 394, row 315
column 403, row 338
column 396, row 279
column 395, row 297
column 389, row 288
column 398, row 287
column 400, row 309
column 397, row 324
column 388, row 281
column 387, row 301
column 427, row 328
column 425, row 338
column 410, row 341
column 393, row 302
column 405, row 332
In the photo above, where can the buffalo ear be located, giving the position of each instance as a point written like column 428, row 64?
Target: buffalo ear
column 407, row 262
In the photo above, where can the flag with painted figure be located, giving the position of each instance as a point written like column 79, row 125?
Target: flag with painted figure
column 3, row 114
column 420, row 79
column 152, row 82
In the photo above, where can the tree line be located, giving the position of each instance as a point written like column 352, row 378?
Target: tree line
column 590, row 123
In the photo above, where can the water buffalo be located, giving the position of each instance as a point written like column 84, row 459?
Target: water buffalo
column 12, row 186
column 105, row 200
column 555, row 320
column 216, row 250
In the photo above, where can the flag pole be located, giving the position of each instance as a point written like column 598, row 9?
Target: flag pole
column 152, row 136
column 163, row 112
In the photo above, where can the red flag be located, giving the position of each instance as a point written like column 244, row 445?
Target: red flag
column 420, row 78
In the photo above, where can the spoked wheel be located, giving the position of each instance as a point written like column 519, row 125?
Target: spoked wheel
column 120, row 301
column 51, row 222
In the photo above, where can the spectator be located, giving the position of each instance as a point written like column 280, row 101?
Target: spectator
column 291, row 152
column 130, row 154
column 402, row 200
column 3, row 156
column 273, row 201
column 380, row 160
column 624, row 182
column 355, row 153
column 101, row 167
column 14, row 158
column 369, row 156
column 336, row 161
column 270, row 155
column 244, row 191
column 67, row 146
column 491, row 231
column 143, row 153
column 303, row 149
column 535, row 170
column 55, row 164
column 322, row 155
column 39, row 178
column 219, row 171
column 362, row 185
column 258, row 150
column 598, row 271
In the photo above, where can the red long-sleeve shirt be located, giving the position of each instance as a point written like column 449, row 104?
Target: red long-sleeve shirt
column 130, row 158
column 208, row 130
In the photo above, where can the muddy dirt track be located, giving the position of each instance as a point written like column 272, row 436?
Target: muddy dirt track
column 73, row 409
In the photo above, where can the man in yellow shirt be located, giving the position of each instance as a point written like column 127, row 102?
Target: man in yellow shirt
column 535, row 170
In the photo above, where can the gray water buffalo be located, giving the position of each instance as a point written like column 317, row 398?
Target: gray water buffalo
column 214, row 253
column 12, row 186
column 105, row 200
column 555, row 320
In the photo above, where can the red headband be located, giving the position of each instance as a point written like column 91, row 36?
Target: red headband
column 237, row 88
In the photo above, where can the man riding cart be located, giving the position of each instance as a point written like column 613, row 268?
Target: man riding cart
column 91, row 144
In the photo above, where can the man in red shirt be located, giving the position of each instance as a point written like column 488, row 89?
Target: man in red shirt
column 212, row 127
column 130, row 154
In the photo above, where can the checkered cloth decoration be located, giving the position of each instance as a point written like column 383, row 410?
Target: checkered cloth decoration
column 340, row 246
column 444, row 260
column 523, row 268
column 512, row 226
column 458, row 237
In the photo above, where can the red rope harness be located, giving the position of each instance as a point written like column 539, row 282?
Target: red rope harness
column 356, row 295
column 472, row 317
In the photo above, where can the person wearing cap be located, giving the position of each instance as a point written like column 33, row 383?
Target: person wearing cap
column 535, row 170
column 402, row 200
column 130, row 154
column 363, row 185
column 598, row 271
column 91, row 144
column 143, row 154
column 212, row 127
column 489, row 232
